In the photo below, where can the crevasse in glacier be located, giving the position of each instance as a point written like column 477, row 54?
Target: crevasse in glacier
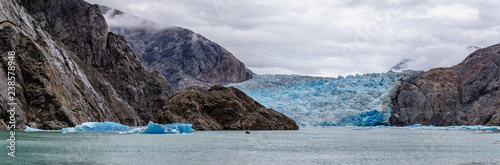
column 361, row 100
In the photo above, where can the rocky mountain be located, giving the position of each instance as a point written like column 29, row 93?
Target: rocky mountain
column 465, row 94
column 403, row 65
column 70, row 69
column 473, row 48
column 220, row 108
column 185, row 58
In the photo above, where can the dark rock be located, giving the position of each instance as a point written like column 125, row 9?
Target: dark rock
column 185, row 58
column 466, row 94
column 71, row 70
column 83, row 29
column 222, row 108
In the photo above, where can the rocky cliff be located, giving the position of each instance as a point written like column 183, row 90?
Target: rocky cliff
column 185, row 58
column 220, row 108
column 70, row 69
column 465, row 94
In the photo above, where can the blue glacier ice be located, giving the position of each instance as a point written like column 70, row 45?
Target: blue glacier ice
column 112, row 127
column 107, row 127
column 360, row 100
column 153, row 128
column 29, row 129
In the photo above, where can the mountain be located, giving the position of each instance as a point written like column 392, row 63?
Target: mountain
column 361, row 100
column 220, row 108
column 473, row 48
column 185, row 58
column 70, row 69
column 465, row 94
column 403, row 65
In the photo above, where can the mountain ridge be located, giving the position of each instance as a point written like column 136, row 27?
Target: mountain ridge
column 71, row 69
column 465, row 94
column 184, row 57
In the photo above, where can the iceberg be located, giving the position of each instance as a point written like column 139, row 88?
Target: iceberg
column 180, row 127
column 153, row 128
column 112, row 127
column 361, row 100
column 29, row 129
column 105, row 127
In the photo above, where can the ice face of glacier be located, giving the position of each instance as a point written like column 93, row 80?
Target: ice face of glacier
column 361, row 100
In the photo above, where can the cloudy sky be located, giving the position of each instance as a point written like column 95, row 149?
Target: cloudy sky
column 331, row 38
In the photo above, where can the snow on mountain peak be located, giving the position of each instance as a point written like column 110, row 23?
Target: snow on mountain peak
column 403, row 65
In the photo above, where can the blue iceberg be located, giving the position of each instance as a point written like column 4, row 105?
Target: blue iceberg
column 153, row 128
column 180, row 127
column 112, row 127
column 106, row 127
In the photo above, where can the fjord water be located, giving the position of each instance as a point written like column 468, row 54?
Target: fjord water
column 327, row 145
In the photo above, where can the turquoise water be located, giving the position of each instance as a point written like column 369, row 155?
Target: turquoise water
column 330, row 145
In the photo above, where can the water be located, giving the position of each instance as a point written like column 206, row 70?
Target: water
column 330, row 145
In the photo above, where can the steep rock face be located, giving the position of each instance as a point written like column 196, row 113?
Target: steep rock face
column 83, row 29
column 466, row 94
column 220, row 108
column 182, row 56
column 58, row 84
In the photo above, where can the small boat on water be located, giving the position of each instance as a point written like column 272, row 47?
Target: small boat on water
column 248, row 132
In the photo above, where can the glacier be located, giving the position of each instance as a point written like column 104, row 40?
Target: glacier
column 360, row 100
column 112, row 127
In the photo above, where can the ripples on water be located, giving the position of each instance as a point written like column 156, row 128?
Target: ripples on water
column 330, row 145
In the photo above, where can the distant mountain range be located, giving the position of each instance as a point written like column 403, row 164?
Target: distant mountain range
column 185, row 58
column 70, row 69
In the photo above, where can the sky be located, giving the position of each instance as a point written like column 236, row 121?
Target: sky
column 330, row 38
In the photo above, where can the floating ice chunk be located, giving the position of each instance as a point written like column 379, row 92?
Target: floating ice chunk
column 112, row 127
column 69, row 130
column 153, row 128
column 490, row 128
column 29, row 129
column 180, row 127
column 106, row 127
column 416, row 125
column 488, row 131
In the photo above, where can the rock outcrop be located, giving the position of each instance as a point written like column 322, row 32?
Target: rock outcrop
column 222, row 108
column 70, row 69
column 185, row 58
column 465, row 94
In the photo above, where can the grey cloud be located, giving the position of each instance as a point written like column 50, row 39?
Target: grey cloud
column 330, row 38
